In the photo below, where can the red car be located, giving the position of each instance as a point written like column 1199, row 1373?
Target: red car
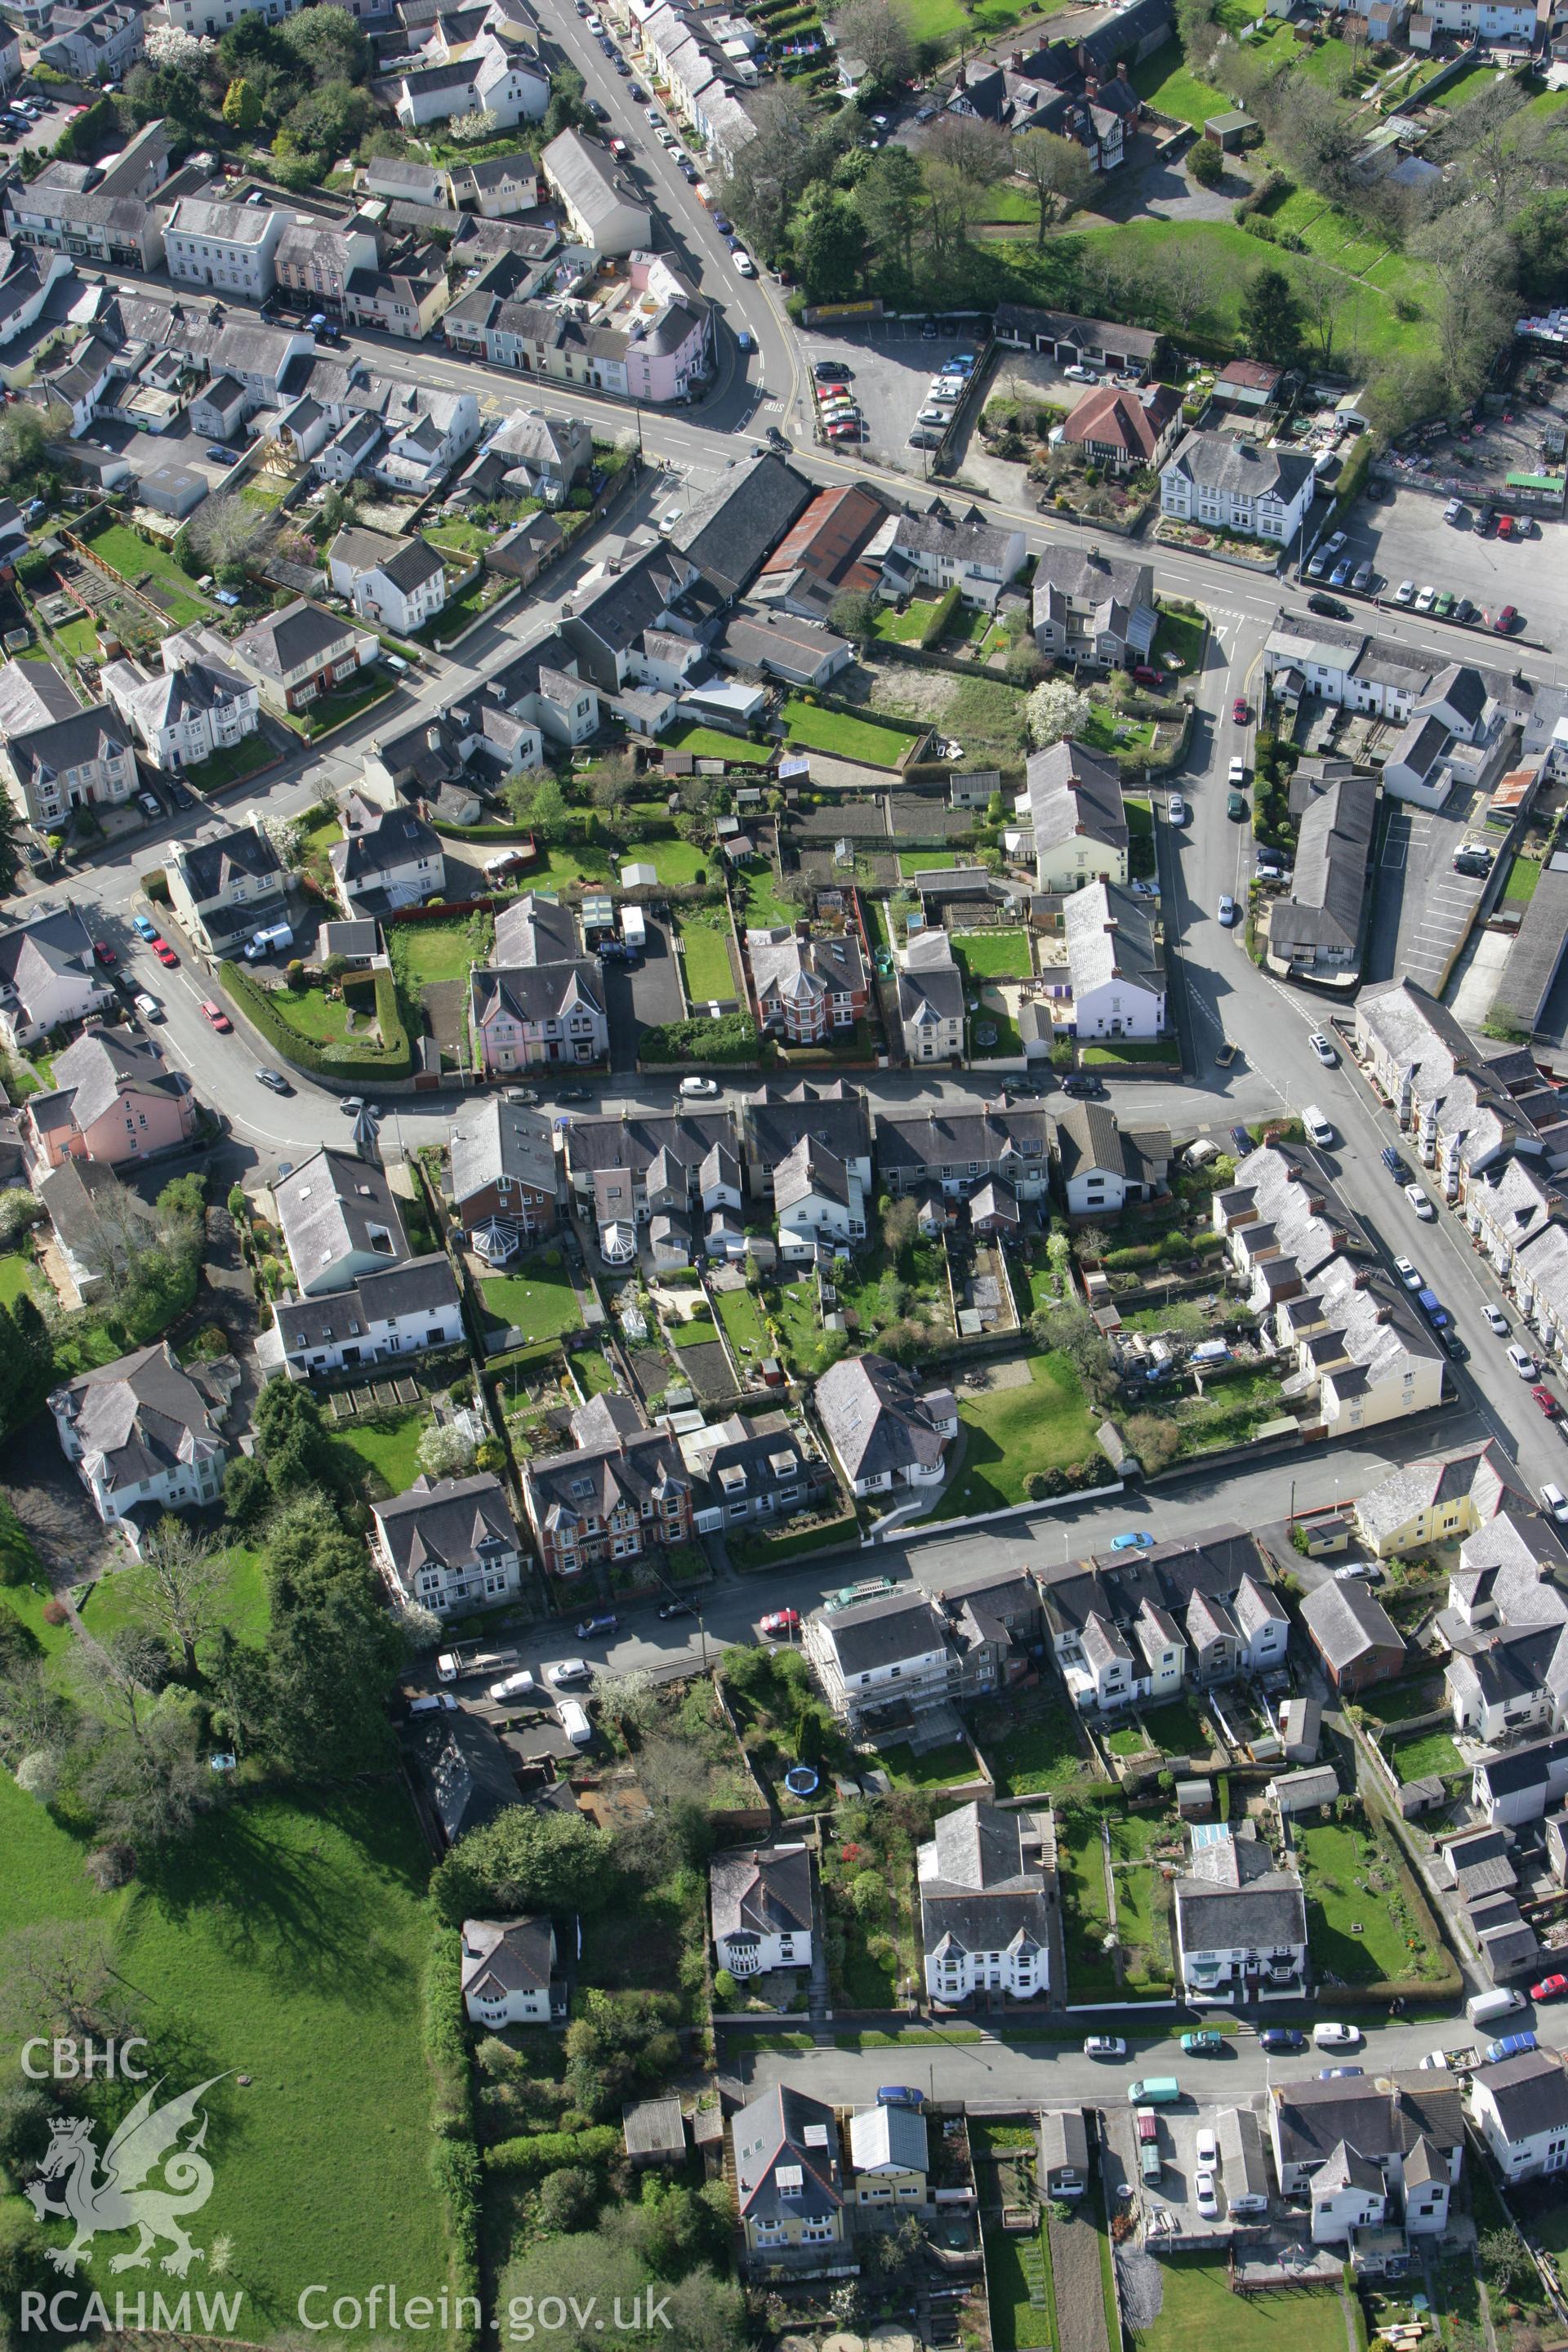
column 164, row 952
column 1547, row 1402
column 1239, row 712
column 780, row 1622
column 1548, row 1989
column 1145, row 675
column 105, row 953
column 1507, row 621
column 216, row 1014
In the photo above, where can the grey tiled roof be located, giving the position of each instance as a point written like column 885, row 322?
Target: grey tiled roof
column 876, row 1417
column 494, row 1139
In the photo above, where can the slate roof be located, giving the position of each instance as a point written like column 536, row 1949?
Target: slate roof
column 408, row 563
column 729, row 533
column 977, row 1892
column 144, row 1413
column 244, row 854
column 91, row 1075
column 881, row 1633
column 1217, row 462
column 494, row 1139
column 1346, row 1621
column 876, row 1417
column 396, row 837
column 327, row 1207
column 1531, row 2094
column 888, row 2139
column 835, row 1112
column 419, row 1286
column 1064, row 2141
column 763, row 1891
column 504, row 1955
column 1110, row 937
column 534, row 992
column 1419, row 1485
column 1073, row 792
column 1233, row 1897
column 799, row 971
column 786, row 2140
column 957, row 1135
column 447, row 1523
column 1377, row 2117
column 631, row 1469
column 466, row 1771
column 283, row 642
column 1329, row 886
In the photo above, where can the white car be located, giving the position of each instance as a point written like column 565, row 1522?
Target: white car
column 744, row 265
column 1420, row 1203
column 1555, row 1500
column 652, row 115
column 1498, row 1320
column 1227, row 912
column 1080, row 375
column 669, row 518
column 1236, row 773
column 1144, row 889
column 1435, row 2062
column 1205, row 2196
column 705, row 1086
column 1206, row 2152
column 1410, row 1275
column 148, row 1007
column 1524, row 1363
column 1323, row 1049
column 1406, row 592
column 1425, row 599
column 1105, row 2046
column 1176, row 809
column 1335, row 2037
column 568, row 1670
column 519, row 1686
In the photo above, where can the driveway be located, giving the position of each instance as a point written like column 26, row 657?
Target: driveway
column 644, row 997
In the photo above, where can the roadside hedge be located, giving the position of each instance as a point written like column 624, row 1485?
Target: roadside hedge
column 392, row 1060
column 542, row 2152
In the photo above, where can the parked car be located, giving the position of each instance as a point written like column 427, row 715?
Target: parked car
column 518, row 1685
column 1236, row 772
column 568, row 1670
column 148, row 1007
column 524, row 1096
column 1176, row 809
column 704, row 1086
column 1241, row 1142
column 1330, row 2035
column 1512, row 2045
column 1408, row 1275
column 1361, row 578
column 1497, row 1319
column 778, row 1622
column 217, row 456
column 1202, row 2045
column 1282, row 2037
column 1323, row 1049
column 1548, row 1989
column 1420, row 1203
column 1105, row 2046
column 105, row 954
column 1338, row 2073
column 1425, row 598
column 150, row 804
column 1392, row 1162
column 603, row 1621
column 1555, row 1501
column 165, row 954
column 677, row 1607
column 1507, row 621
column 213, row 1013
column 1133, row 1540
column 1205, row 2196
column 574, row 1094
column 1226, row 911
column 1406, row 592
column 1236, row 806
column 1076, row 374
column 1524, row 1363
column 1547, row 1402
column 1240, row 710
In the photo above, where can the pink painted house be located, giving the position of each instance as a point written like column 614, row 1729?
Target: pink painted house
column 112, row 1100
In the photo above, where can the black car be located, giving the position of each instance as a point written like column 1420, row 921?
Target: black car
column 833, row 371
column 1082, row 1085
column 600, row 113
column 1330, row 606
column 1282, row 2037
column 1453, row 1346
column 1241, row 1141
column 573, row 1094
column 775, row 440
column 179, row 796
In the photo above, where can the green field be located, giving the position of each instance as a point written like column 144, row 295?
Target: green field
column 1199, row 2308
column 877, row 742
column 706, row 959
column 283, row 1944
column 992, row 955
column 540, row 1301
column 120, row 548
column 1011, row 1432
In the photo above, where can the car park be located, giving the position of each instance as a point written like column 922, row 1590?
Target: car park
column 1318, row 564
column 1497, row 1319
column 1524, row 1363
column 214, row 1015
column 1340, row 577
column 1406, row 592
column 1323, row 1049
column 1420, row 1203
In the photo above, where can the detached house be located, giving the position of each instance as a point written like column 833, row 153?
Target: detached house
column 930, row 999
column 49, row 976
column 1355, row 1638
column 297, row 654
column 1521, row 2107
column 1241, row 1925
column 1115, row 962
column 807, row 987
column 1077, row 816
column 388, row 857
column 890, row 2157
column 501, row 1173
column 1237, row 486
column 340, row 1219
column 146, row 1434
column 986, row 1891
column 759, row 1902
column 226, row 888
column 507, row 1971
column 113, row 1102
column 1125, row 429
column 892, row 1665
column 447, row 1544
column 529, row 1016
column 1093, row 610
column 395, row 583
column 884, row 1430
column 616, row 1500
column 197, row 705
column 789, row 2183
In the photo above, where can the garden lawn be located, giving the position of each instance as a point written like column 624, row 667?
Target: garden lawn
column 1179, row 642
column 709, row 743
column 1176, row 1730
column 120, row 548
column 333, row 710
column 246, row 1953
column 230, row 763
column 762, row 908
column 1163, row 82
column 392, row 1449
column 941, row 1768
column 434, row 952
column 540, row 1300
column 1039, row 1755
column 1349, row 1924
column 459, row 536
column 927, row 861
column 738, row 1314
column 679, row 864
column 876, row 742
column 315, row 1014
column 706, row 960
column 16, row 1276
column 1522, row 876
column 909, row 627
column 1198, row 2307
column 1016, row 2260
column 78, row 637
column 1103, row 730
column 992, row 955
column 1009, row 1432
column 120, row 1598
column 1434, row 1751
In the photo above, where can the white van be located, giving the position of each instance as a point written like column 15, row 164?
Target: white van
column 1482, row 2007
column 268, row 942
column 574, row 1721
column 1317, row 1126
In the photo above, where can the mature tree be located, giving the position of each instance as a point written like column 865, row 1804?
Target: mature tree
column 166, row 45
column 295, row 1446
column 331, row 1660
column 567, row 2201
column 446, row 1451
column 242, row 106
column 901, row 1223
column 148, row 1780
column 1206, row 163
column 1541, row 250
column 1072, row 1328
column 117, row 1680
column 1271, row 317
column 32, row 1714
column 676, row 2227
column 1054, row 709
column 879, row 33
column 56, row 1980
column 774, row 168
column 1319, row 137
column 1058, row 176
column 1504, row 2255
column 612, row 788
column 1473, row 269
column 568, row 107
column 329, row 43
column 829, row 245
column 524, row 1861
column 22, row 439
column 185, row 1586
column 225, row 531
column 547, row 811
column 977, row 151
column 889, row 198
column 853, row 612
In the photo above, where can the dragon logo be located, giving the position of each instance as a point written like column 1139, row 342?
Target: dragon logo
column 115, row 2200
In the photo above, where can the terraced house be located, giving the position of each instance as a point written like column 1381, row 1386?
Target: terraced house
column 613, row 1501
column 1137, row 1629
column 952, row 1151
column 56, row 757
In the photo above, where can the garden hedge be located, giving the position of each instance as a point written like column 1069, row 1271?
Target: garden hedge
column 732, row 1039
column 394, row 1059
column 542, row 2152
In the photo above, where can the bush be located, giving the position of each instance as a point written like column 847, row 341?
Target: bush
column 544, row 2152
column 56, row 1613
column 1206, row 164
column 725, row 1991
column 155, row 886
column 732, row 1039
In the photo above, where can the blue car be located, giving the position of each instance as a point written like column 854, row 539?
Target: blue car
column 1135, row 1539
column 219, row 457
column 1282, row 2037
column 900, row 2095
column 143, row 927
column 1512, row 2045
column 1338, row 2073
column 587, row 1626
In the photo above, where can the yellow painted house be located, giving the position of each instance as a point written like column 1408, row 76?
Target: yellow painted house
column 788, row 2179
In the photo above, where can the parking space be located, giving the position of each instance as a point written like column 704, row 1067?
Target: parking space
column 642, row 995
column 1022, row 376
column 1422, row 908
column 1406, row 539
column 891, row 367
column 1187, row 2137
